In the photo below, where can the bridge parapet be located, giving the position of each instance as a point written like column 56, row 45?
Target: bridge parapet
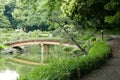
column 48, row 42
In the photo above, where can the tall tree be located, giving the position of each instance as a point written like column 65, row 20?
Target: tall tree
column 4, row 22
column 93, row 13
column 27, row 16
column 113, row 7
column 9, row 7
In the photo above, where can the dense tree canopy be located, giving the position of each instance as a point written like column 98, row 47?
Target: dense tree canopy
column 113, row 6
column 87, row 13
column 93, row 13
column 4, row 21
column 26, row 16
column 23, row 15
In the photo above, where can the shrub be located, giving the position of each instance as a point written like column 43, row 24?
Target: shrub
column 67, row 49
column 2, row 46
column 86, row 37
column 58, row 70
column 7, row 30
column 92, row 39
column 35, row 33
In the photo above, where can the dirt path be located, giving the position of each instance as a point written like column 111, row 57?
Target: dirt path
column 111, row 70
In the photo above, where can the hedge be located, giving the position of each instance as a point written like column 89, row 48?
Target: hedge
column 59, row 70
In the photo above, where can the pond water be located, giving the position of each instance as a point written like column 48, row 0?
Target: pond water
column 11, row 70
column 8, row 75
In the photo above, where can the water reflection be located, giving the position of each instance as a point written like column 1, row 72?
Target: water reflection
column 8, row 75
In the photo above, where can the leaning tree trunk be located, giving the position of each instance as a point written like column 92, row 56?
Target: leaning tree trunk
column 71, row 37
column 76, row 43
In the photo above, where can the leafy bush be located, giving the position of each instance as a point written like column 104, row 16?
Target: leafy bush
column 76, row 52
column 58, row 70
column 7, row 30
column 89, row 43
column 92, row 39
column 2, row 46
column 35, row 33
column 67, row 49
column 86, row 37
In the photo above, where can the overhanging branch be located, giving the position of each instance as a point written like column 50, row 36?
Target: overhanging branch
column 71, row 36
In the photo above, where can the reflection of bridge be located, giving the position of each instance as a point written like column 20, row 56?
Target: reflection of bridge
column 44, row 45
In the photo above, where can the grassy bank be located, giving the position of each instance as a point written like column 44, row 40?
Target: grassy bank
column 58, row 70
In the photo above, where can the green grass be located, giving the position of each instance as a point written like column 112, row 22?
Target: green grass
column 59, row 58
column 58, row 69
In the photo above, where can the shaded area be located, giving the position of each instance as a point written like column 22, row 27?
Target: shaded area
column 19, row 49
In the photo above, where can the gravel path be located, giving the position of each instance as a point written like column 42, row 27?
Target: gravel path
column 111, row 70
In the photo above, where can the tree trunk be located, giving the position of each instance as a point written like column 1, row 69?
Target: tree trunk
column 71, row 37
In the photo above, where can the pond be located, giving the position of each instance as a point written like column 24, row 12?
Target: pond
column 11, row 70
column 8, row 75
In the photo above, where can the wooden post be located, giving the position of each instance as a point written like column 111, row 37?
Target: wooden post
column 42, row 53
column 69, row 76
column 78, row 71
column 47, row 48
column 102, row 34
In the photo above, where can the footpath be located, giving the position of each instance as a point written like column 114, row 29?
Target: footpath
column 111, row 69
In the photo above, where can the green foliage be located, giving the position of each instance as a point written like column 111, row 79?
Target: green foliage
column 76, row 53
column 17, row 14
column 58, row 70
column 6, row 30
column 57, row 53
column 4, row 22
column 99, row 53
column 89, row 43
column 84, row 12
column 86, row 37
column 92, row 39
column 2, row 46
column 23, row 13
column 11, row 35
column 35, row 33
column 113, row 19
column 67, row 49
